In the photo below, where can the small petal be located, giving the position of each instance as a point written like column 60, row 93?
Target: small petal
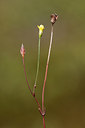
column 38, row 26
column 41, row 28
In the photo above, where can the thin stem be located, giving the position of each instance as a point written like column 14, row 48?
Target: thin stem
column 29, row 87
column 37, row 65
column 39, row 107
column 43, row 109
column 43, row 121
column 26, row 77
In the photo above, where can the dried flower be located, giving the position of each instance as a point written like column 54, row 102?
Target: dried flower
column 54, row 17
column 22, row 50
column 41, row 28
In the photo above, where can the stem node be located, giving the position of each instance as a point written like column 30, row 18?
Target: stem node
column 44, row 112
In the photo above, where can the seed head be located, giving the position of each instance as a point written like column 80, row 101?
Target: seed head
column 22, row 50
column 54, row 17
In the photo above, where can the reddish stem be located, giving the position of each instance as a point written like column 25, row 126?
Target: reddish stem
column 26, row 77
column 39, row 107
column 43, row 109
column 44, row 121
column 29, row 86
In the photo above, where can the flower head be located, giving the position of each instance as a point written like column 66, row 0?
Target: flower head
column 54, row 17
column 41, row 28
column 22, row 50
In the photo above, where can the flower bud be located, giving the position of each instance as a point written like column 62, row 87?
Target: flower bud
column 54, row 17
column 22, row 50
column 41, row 28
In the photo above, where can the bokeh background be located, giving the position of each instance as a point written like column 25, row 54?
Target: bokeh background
column 65, row 86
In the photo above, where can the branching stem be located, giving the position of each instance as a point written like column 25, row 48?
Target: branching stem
column 39, row 107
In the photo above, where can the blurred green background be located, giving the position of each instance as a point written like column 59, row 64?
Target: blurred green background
column 65, row 86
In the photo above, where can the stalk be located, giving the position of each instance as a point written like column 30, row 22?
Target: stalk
column 39, row 107
column 37, row 66
column 43, row 109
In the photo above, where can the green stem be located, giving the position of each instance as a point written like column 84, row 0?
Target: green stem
column 37, row 66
